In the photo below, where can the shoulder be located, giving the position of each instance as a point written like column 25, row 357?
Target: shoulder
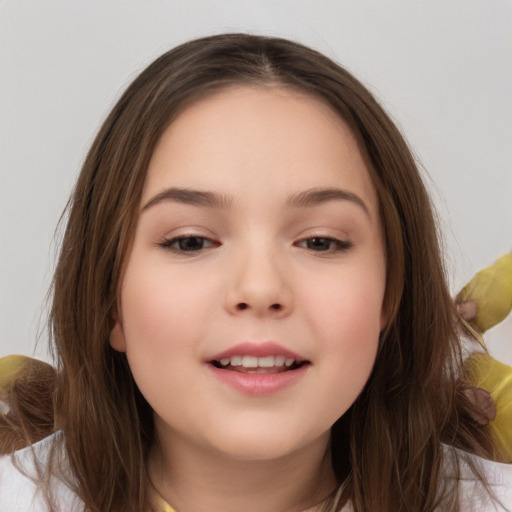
column 492, row 494
column 20, row 476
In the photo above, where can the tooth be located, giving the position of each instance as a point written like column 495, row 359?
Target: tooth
column 289, row 362
column 279, row 360
column 224, row 361
column 249, row 362
column 236, row 360
column 266, row 362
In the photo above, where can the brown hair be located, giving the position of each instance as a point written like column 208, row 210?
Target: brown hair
column 26, row 402
column 387, row 447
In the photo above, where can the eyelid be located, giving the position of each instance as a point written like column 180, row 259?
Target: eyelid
column 341, row 245
column 167, row 243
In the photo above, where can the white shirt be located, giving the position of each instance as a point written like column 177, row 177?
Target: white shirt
column 19, row 493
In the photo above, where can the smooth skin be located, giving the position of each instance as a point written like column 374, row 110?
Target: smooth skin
column 285, row 246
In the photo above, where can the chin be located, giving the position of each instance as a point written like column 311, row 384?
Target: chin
column 265, row 444
column 258, row 450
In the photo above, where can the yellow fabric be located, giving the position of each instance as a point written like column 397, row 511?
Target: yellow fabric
column 159, row 504
column 491, row 290
column 11, row 367
column 495, row 377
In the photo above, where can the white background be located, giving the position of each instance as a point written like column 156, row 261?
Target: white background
column 443, row 69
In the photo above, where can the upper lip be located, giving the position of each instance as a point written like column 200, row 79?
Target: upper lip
column 267, row 348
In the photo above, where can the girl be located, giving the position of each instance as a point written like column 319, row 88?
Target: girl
column 250, row 310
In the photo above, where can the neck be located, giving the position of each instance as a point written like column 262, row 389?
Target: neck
column 194, row 479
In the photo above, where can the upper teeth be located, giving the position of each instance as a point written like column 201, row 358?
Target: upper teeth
column 254, row 362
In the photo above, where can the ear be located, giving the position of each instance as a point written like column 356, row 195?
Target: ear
column 117, row 338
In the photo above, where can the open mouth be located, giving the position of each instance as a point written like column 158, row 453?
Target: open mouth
column 252, row 364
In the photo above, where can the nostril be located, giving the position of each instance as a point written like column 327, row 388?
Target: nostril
column 241, row 306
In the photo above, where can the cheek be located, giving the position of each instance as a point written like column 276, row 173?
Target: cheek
column 345, row 319
column 163, row 327
column 350, row 305
column 161, row 311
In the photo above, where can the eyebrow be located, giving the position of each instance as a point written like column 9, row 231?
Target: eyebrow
column 190, row 196
column 208, row 199
column 318, row 196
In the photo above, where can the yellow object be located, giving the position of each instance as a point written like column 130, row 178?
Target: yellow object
column 495, row 377
column 491, row 290
column 159, row 504
column 11, row 367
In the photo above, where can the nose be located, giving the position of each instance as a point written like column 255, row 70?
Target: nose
column 259, row 286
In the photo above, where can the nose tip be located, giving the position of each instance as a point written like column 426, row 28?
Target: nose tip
column 259, row 286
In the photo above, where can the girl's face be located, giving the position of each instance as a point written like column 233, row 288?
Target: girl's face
column 251, row 305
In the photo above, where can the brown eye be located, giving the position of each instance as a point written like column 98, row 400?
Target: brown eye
column 191, row 243
column 324, row 244
column 187, row 244
column 320, row 244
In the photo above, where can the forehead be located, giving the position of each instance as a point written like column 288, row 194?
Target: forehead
column 245, row 134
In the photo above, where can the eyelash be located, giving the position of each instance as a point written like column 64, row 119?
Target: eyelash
column 334, row 245
column 172, row 244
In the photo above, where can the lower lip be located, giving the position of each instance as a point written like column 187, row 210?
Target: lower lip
column 259, row 384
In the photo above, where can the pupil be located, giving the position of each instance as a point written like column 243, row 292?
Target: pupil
column 192, row 243
column 319, row 244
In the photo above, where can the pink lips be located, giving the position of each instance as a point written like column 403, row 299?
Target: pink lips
column 258, row 384
column 269, row 348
